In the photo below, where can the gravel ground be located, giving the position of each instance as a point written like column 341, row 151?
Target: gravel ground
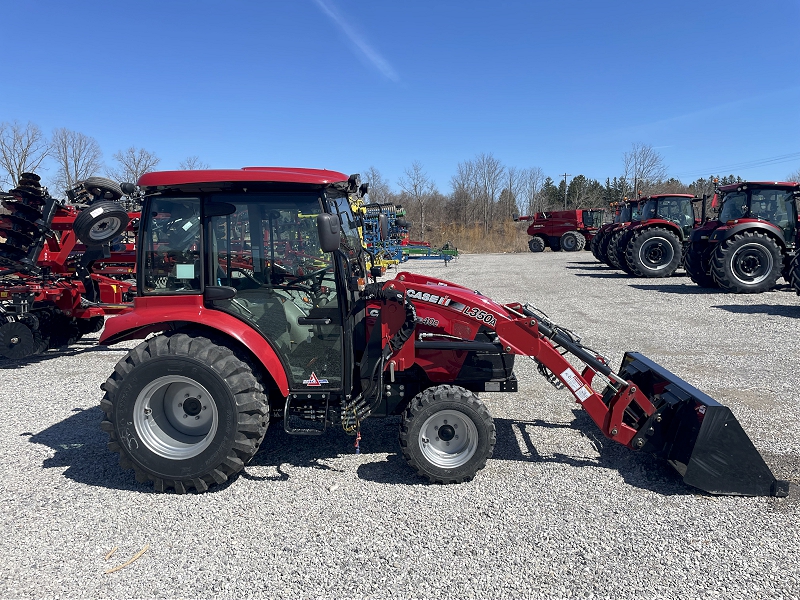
column 556, row 513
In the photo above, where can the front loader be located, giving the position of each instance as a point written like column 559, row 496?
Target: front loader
column 254, row 302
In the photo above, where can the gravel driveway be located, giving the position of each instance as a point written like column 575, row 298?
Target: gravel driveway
column 558, row 512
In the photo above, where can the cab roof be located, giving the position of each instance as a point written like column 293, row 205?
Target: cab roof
column 246, row 174
column 732, row 187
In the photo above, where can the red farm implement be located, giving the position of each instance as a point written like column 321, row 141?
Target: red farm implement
column 567, row 230
column 54, row 288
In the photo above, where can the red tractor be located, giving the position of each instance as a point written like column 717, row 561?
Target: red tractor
column 599, row 243
column 240, row 332
column 606, row 247
column 752, row 241
column 653, row 244
column 567, row 230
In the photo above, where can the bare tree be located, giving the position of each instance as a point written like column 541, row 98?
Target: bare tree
column 464, row 185
column 418, row 187
column 508, row 197
column 379, row 192
column 191, row 163
column 22, row 149
column 78, row 156
column 643, row 167
column 132, row 164
column 490, row 173
column 532, row 181
column 794, row 176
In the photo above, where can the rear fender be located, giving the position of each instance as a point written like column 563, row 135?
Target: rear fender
column 668, row 225
column 726, row 232
column 152, row 314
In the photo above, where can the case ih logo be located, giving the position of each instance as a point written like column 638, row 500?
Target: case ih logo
column 314, row 381
column 434, row 299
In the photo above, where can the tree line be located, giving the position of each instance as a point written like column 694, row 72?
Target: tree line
column 67, row 157
column 476, row 213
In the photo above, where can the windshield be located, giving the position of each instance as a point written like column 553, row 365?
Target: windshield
column 593, row 218
column 624, row 215
column 675, row 209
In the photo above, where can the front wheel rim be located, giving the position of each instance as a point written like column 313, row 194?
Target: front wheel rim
column 752, row 263
column 175, row 417
column 448, row 439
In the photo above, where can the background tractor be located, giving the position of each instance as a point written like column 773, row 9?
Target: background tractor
column 253, row 306
column 752, row 241
column 653, row 244
column 567, row 230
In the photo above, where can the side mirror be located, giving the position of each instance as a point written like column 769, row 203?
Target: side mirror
column 329, row 232
column 384, row 221
column 127, row 188
column 515, row 216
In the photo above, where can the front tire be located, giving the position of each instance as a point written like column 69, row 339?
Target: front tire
column 655, row 252
column 184, row 412
column 536, row 244
column 748, row 263
column 447, row 434
column 698, row 266
column 794, row 273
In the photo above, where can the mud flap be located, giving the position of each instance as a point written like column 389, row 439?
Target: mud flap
column 697, row 435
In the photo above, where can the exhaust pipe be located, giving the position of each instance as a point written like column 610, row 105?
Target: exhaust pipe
column 697, row 435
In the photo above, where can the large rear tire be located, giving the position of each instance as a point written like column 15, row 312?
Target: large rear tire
column 572, row 241
column 184, row 412
column 698, row 266
column 747, row 263
column 536, row 244
column 655, row 252
column 447, row 434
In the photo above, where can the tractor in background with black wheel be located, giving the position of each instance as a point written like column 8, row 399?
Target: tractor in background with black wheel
column 653, row 245
column 567, row 230
column 753, row 241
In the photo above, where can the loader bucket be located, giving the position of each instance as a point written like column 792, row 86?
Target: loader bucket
column 697, row 435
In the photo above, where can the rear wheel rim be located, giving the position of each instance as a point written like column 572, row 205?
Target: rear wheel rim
column 752, row 263
column 656, row 253
column 175, row 417
column 448, row 439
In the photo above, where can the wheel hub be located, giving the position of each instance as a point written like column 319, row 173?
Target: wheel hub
column 752, row 263
column 656, row 253
column 448, row 439
column 175, row 417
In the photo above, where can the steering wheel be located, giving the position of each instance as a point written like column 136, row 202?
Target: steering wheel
column 315, row 285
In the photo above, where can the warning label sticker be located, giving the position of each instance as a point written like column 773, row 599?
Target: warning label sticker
column 583, row 393
column 572, row 379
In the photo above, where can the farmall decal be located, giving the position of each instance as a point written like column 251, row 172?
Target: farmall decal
column 314, row 381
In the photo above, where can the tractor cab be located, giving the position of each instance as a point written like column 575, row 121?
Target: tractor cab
column 256, row 253
column 677, row 209
column 775, row 205
column 593, row 219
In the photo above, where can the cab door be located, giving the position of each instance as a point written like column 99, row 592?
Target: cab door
column 268, row 250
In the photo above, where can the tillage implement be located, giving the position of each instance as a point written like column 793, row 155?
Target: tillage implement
column 254, row 284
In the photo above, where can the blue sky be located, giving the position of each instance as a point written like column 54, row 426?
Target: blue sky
column 566, row 86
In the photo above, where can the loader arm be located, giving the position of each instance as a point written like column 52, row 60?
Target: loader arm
column 643, row 406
